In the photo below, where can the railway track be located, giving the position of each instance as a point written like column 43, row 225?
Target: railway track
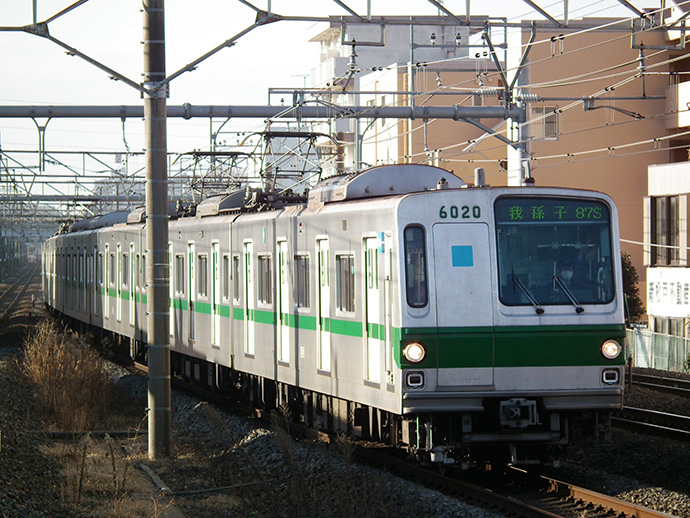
column 13, row 294
column 518, row 494
column 676, row 386
column 671, row 426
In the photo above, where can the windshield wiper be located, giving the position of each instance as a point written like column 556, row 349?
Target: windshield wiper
column 569, row 294
column 524, row 289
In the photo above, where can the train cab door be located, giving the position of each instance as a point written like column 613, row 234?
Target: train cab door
column 215, row 293
column 249, row 301
column 464, row 307
column 323, row 318
column 283, row 309
column 388, row 306
column 374, row 325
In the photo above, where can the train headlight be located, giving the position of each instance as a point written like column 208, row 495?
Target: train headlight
column 414, row 352
column 611, row 349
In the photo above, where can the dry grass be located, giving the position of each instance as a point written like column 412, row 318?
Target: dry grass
column 67, row 377
column 99, row 480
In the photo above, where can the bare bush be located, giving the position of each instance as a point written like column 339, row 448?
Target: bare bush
column 67, row 376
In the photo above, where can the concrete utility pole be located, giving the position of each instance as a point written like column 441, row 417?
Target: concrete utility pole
column 157, row 277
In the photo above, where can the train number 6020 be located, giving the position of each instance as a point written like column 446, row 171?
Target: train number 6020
column 463, row 212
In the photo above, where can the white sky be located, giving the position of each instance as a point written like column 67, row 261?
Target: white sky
column 36, row 71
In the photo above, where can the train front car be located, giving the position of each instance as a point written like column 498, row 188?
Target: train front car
column 512, row 322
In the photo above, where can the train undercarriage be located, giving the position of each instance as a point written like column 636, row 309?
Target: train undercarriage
column 448, row 440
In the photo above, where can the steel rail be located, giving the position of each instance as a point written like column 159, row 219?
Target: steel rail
column 487, row 497
column 679, row 387
column 672, row 426
column 615, row 506
column 25, row 277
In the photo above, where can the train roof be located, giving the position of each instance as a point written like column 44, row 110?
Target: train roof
column 375, row 182
column 385, row 180
column 106, row 220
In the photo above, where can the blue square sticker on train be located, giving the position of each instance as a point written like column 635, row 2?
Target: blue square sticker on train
column 462, row 256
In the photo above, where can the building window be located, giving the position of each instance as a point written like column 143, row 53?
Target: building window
column 545, row 125
column 202, row 275
column 301, row 283
column 345, row 282
column 265, row 276
column 665, row 231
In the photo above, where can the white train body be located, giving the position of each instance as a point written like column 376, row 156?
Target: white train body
column 315, row 305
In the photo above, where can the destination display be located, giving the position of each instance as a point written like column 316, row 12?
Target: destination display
column 532, row 210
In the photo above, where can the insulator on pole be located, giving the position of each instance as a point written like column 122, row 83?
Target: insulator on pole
column 529, row 98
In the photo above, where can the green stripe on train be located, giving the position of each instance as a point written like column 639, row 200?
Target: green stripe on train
column 515, row 346
column 459, row 347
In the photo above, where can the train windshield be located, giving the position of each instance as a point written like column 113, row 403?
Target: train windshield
column 554, row 251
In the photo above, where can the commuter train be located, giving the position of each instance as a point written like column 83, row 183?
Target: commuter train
column 461, row 323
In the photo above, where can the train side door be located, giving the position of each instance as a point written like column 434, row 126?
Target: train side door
column 132, row 288
column 374, row 325
column 249, row 302
column 190, row 289
column 171, row 286
column 118, row 283
column 283, row 304
column 215, row 293
column 464, row 307
column 324, row 307
column 83, row 278
column 98, row 281
column 106, row 282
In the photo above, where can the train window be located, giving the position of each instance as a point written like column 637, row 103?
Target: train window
column 345, row 282
column 554, row 251
column 179, row 274
column 236, row 278
column 202, row 275
column 99, row 266
column 301, row 284
column 125, row 270
column 112, row 269
column 415, row 267
column 225, row 272
column 265, row 277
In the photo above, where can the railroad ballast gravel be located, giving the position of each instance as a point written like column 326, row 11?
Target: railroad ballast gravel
column 221, row 461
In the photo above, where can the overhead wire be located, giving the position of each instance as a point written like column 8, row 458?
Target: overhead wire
column 561, row 82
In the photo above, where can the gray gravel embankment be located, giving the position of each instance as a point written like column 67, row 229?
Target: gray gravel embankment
column 273, row 476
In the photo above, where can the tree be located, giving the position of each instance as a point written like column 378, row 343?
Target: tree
column 634, row 306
